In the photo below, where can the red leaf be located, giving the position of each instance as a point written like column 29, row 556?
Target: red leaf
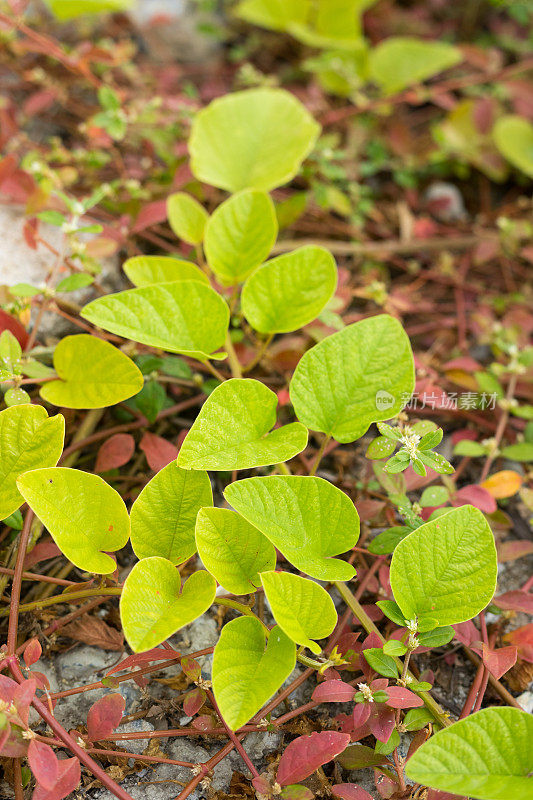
column 43, row 763
column 115, row 452
column 67, row 780
column 158, row 451
column 307, row 753
column 193, row 701
column 333, row 692
column 9, row 323
column 104, row 716
column 151, row 214
column 515, row 601
column 467, row 634
column 381, row 722
column 41, row 552
column 523, row 639
column 203, row 723
column 156, row 654
column 32, row 652
column 350, row 791
column 40, row 679
column 361, row 713
column 499, row 661
column 191, row 667
column 476, row 496
column 22, row 697
column 402, row 698
column 7, row 167
column 516, row 548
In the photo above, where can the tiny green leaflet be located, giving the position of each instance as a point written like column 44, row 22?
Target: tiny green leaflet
column 514, row 139
column 29, row 439
column 307, row 518
column 186, row 317
column 302, row 608
column 240, row 235
column 86, row 517
column 163, row 516
column 359, row 375
column 245, row 672
column 146, row 270
column 256, row 138
column 232, row 550
column 289, row 291
column 486, row 756
column 91, row 374
column 186, row 217
column 446, row 569
column 403, row 61
column 232, row 430
column 154, row 604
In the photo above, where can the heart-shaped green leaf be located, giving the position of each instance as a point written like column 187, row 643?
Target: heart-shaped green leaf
column 186, row 217
column 164, row 514
column 402, row 61
column 154, row 605
column 289, row 291
column 233, row 550
column 29, row 439
column 240, row 235
column 92, row 374
column 252, row 139
column 232, row 430
column 362, row 374
column 146, row 270
column 308, row 519
column 302, row 608
column 186, row 317
column 514, row 139
column 86, row 517
column 446, row 569
column 245, row 673
column 486, row 756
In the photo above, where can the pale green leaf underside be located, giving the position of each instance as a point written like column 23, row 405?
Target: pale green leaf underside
column 152, row 607
column 446, row 569
column 29, row 439
column 362, row 374
column 85, row 516
column 289, row 291
column 254, row 139
column 302, row 608
column 514, row 139
column 92, row 374
column 187, row 217
column 486, row 756
column 308, row 519
column 147, row 270
column 163, row 516
column 240, row 235
column 402, row 61
column 245, row 673
column 232, row 550
column 232, row 430
column 186, row 317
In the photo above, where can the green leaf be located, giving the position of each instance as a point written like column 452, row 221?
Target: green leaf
column 385, row 542
column 434, row 496
column 10, row 351
column 232, row 430
column 164, row 514
column 403, row 61
column 14, row 520
column 74, row 282
column 357, row 756
column 92, row 374
column 289, row 291
column 187, row 217
column 302, row 608
column 24, row 290
column 357, row 376
column 232, row 550
column 308, row 519
column 86, row 517
column 435, row 461
column 417, row 718
column 381, row 662
column 70, row 9
column 154, row 605
column 437, row 637
column 240, row 235
column 146, row 270
column 394, row 648
column 446, row 569
column 184, row 317
column 393, row 611
column 256, row 139
column 276, row 14
column 380, row 447
column 523, row 451
column 385, row 748
column 29, row 439
column 16, row 397
column 151, row 400
column 467, row 448
column 245, row 673
column 513, row 136
column 486, row 756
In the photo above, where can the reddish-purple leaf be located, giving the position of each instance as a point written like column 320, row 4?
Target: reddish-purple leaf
column 516, row 548
column 467, row 634
column 350, row 791
column 498, row 662
column 515, row 601
column 191, row 668
column 158, row 451
column 261, row 785
column 476, row 496
column 203, row 723
column 9, row 323
column 361, row 713
column 104, row 716
column 307, row 753
column 22, row 697
column 41, row 552
column 381, row 722
column 67, row 780
column 32, row 652
column 387, row 787
column 522, row 638
column 156, row 654
column 150, row 214
column 333, row 692
column 402, row 698
column 43, row 763
column 193, row 701
column 115, row 452
column 8, row 687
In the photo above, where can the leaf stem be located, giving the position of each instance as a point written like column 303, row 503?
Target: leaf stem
column 318, row 459
column 242, row 607
column 235, row 364
column 57, row 598
column 16, row 587
column 214, row 371
column 259, row 355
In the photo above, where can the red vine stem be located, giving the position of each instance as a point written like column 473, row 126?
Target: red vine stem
column 17, row 583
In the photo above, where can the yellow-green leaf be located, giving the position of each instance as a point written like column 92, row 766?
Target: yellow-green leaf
column 146, row 270
column 186, row 217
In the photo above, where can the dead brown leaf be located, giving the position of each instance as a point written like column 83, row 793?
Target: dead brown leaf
column 95, row 632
